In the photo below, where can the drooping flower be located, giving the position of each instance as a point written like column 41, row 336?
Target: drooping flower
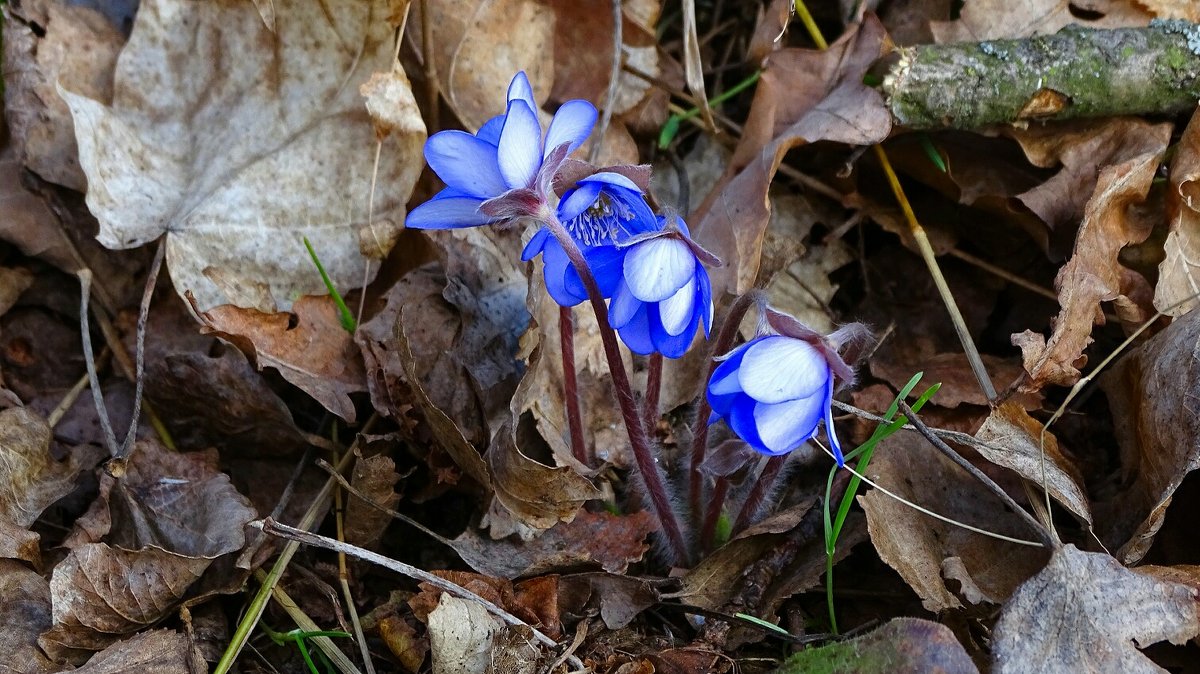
column 508, row 162
column 774, row 390
column 601, row 210
column 663, row 292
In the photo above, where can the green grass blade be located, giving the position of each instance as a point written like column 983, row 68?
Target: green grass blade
column 671, row 128
column 347, row 318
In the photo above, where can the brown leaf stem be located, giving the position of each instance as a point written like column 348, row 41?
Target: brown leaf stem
column 566, row 332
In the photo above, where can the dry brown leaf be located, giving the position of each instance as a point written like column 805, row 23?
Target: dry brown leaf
column 769, row 30
column 479, row 45
column 374, row 477
column 583, row 29
column 1013, row 440
column 152, row 652
column 927, row 552
column 803, row 96
column 28, row 222
column 402, row 640
column 995, row 19
column 619, row 598
column 1152, row 392
column 610, row 541
column 902, row 645
column 1094, row 274
column 1178, row 277
column 1086, row 613
column 309, row 347
column 236, row 154
column 516, row 651
column 1172, row 9
column 953, row 372
column 162, row 526
column 1081, row 147
column 73, row 45
column 30, row 479
column 461, row 636
column 25, row 605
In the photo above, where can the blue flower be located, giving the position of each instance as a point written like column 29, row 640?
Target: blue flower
column 663, row 293
column 774, row 390
column 508, row 156
column 601, row 210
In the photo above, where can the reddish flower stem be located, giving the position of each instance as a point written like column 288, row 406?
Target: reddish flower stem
column 722, row 345
column 715, row 504
column 640, row 442
column 566, row 331
column 762, row 487
column 654, row 369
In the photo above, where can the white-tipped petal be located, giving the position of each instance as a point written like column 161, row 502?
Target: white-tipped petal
column 658, row 268
column 571, row 125
column 781, row 368
column 519, row 89
column 520, row 151
column 676, row 311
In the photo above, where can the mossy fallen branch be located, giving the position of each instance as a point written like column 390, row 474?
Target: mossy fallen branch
column 1074, row 73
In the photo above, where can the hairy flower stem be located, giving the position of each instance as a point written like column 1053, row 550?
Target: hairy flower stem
column 654, row 369
column 715, row 505
column 762, row 487
column 722, row 345
column 655, row 486
column 566, row 331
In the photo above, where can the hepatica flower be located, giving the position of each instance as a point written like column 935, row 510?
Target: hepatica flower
column 506, row 169
column 774, row 390
column 662, row 293
column 600, row 211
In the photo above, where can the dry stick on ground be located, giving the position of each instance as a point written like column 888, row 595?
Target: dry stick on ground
column 1049, row 539
column 274, row 528
column 339, row 516
column 1073, row 73
column 305, row 623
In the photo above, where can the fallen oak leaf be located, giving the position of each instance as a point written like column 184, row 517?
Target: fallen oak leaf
column 315, row 354
column 1178, row 276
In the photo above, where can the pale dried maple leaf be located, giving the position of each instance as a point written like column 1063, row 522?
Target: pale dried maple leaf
column 234, row 141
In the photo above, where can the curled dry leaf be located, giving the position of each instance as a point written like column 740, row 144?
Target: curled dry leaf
column 374, row 477
column 995, row 19
column 619, row 598
column 479, row 44
column 152, row 652
column 25, row 605
column 46, row 43
column 1013, row 439
column 926, row 552
column 1179, row 272
column 235, row 158
column 308, row 346
column 1094, row 274
column 1086, row 612
column 534, row 601
column 901, row 645
column 30, row 481
column 610, row 541
column 461, row 636
column 160, row 528
column 804, row 96
column 1152, row 392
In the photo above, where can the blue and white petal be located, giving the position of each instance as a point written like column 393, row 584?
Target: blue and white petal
column 519, row 153
column 465, row 163
column 447, row 213
column 572, row 124
column 781, row 368
column 656, row 269
column 785, row 426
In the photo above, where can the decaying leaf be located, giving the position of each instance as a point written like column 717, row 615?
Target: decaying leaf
column 30, row 481
column 28, row 222
column 461, row 636
column 235, row 140
column 1014, row 440
column 309, row 347
column 604, row 539
column 1172, row 9
column 803, row 96
column 1179, row 272
column 1093, row 274
column 152, row 652
column 374, row 477
column 25, row 605
column 1085, row 612
column 534, row 601
column 928, row 553
column 995, row 19
column 1152, row 392
column 902, row 645
column 159, row 528
column 583, row 29
column 48, row 42
column 619, row 598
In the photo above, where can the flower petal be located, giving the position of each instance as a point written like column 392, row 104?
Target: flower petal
column 447, row 213
column 781, row 368
column 679, row 309
column 834, row 443
column 671, row 346
column 605, row 263
column 535, row 245
column 519, row 152
column 741, row 420
column 706, row 301
column 519, row 89
column 785, row 426
column 577, row 201
column 636, row 333
column 490, row 131
column 655, row 269
column 724, row 379
column 558, row 270
column 612, row 178
column 623, row 308
column 571, row 125
column 465, row 163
